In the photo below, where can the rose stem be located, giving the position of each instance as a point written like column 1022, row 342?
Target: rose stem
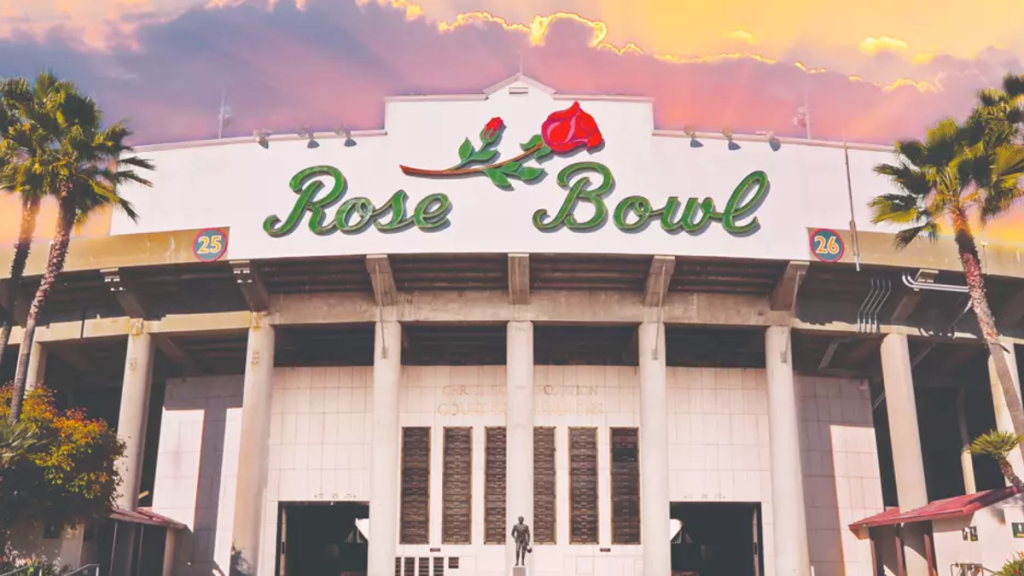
column 463, row 171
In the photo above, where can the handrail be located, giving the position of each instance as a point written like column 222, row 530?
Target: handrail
column 918, row 285
column 965, row 566
column 83, row 569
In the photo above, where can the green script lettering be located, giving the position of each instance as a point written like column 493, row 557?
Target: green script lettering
column 355, row 214
column 432, row 212
column 579, row 190
column 739, row 205
column 307, row 188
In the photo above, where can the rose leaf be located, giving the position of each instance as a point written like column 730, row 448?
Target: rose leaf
column 499, row 179
column 544, row 152
column 483, row 156
column 466, row 150
column 510, row 168
column 529, row 173
column 532, row 142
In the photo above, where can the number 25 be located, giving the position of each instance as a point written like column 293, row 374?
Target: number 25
column 210, row 244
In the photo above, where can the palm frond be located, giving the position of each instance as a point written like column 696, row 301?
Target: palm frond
column 910, row 179
column 990, row 96
column 137, row 162
column 942, row 144
column 1004, row 186
column 59, row 144
column 1013, row 85
column 904, row 238
column 895, row 208
column 996, row 444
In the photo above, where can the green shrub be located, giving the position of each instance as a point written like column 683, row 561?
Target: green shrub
column 1014, row 567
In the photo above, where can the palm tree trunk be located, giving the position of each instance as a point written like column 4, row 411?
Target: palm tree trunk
column 1007, row 470
column 54, row 266
column 979, row 303
column 29, row 212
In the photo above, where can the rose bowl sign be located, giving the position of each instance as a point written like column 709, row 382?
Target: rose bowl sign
column 327, row 210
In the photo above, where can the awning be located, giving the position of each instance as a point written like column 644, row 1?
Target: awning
column 940, row 509
column 145, row 516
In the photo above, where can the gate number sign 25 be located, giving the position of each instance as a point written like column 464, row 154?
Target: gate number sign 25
column 210, row 245
column 827, row 245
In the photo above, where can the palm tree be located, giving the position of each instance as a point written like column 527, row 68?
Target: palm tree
column 998, row 446
column 83, row 165
column 957, row 171
column 21, row 104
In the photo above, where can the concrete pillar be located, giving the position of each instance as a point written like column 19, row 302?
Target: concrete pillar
column 170, row 542
column 384, row 458
column 518, row 431
column 790, row 519
column 1003, row 421
column 966, row 459
column 654, row 500
column 36, row 366
column 252, row 449
column 134, row 413
column 901, row 406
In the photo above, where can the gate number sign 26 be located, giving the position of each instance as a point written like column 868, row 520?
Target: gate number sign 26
column 827, row 245
column 210, row 245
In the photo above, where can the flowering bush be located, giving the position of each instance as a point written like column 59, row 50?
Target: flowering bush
column 68, row 476
column 1015, row 567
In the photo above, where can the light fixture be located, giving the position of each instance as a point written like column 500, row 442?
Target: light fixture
column 773, row 141
column 262, row 138
column 692, row 133
column 727, row 132
column 305, row 132
column 347, row 135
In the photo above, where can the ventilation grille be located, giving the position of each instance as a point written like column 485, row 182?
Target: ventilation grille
column 544, row 501
column 583, row 521
column 494, row 487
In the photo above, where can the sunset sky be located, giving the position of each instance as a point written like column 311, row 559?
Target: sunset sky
column 871, row 70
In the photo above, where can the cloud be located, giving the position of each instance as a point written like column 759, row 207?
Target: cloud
column 743, row 36
column 882, row 44
column 324, row 63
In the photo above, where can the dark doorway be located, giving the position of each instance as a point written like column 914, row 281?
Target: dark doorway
column 322, row 539
column 717, row 539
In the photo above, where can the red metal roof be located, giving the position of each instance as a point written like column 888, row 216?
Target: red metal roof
column 144, row 516
column 947, row 508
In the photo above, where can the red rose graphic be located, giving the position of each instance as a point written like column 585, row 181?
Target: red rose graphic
column 492, row 130
column 562, row 132
column 569, row 129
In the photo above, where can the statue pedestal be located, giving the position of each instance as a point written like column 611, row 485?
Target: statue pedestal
column 519, row 571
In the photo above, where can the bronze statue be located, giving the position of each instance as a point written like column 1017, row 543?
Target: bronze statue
column 521, row 535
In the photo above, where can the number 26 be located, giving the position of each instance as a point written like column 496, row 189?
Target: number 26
column 823, row 246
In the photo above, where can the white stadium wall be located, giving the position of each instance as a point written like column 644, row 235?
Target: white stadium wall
column 197, row 463
column 238, row 184
column 320, row 445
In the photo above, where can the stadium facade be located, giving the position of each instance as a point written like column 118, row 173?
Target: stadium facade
column 671, row 353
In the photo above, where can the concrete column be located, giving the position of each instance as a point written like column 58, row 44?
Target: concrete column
column 901, row 406
column 134, row 413
column 170, row 549
column 253, row 450
column 518, row 431
column 36, row 366
column 654, row 502
column 1003, row 421
column 384, row 458
column 966, row 459
column 790, row 519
